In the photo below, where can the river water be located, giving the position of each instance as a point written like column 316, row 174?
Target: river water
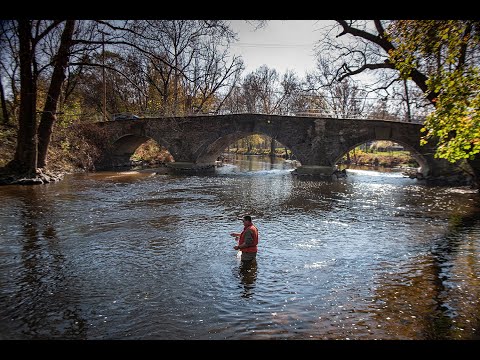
column 138, row 255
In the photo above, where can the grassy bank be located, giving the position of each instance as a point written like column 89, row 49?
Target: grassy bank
column 244, row 151
column 389, row 159
column 151, row 153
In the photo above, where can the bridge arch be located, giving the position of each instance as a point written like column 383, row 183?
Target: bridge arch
column 217, row 147
column 419, row 157
column 125, row 146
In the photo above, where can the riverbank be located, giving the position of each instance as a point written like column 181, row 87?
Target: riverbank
column 68, row 153
column 8, row 140
column 64, row 158
column 387, row 159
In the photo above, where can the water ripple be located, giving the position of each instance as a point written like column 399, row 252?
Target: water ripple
column 134, row 256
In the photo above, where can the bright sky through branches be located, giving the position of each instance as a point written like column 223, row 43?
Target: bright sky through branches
column 280, row 44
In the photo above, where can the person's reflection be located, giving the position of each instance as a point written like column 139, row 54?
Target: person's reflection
column 248, row 274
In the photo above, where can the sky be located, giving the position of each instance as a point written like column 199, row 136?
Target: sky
column 280, row 44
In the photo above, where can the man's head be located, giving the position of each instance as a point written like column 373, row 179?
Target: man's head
column 247, row 219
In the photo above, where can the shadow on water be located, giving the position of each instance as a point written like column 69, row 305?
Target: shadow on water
column 427, row 298
column 39, row 301
column 447, row 254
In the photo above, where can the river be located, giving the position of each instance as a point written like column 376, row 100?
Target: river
column 138, row 255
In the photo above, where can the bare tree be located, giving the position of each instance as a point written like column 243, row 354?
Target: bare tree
column 25, row 160
column 359, row 47
column 42, row 49
column 48, row 117
column 265, row 91
column 9, row 65
column 172, row 67
column 57, row 52
column 191, row 65
column 234, row 101
column 345, row 98
column 5, row 115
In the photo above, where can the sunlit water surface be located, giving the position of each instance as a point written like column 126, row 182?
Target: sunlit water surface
column 134, row 255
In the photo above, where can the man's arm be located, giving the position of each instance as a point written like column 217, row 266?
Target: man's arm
column 248, row 239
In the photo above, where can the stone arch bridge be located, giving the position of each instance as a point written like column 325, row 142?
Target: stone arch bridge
column 318, row 143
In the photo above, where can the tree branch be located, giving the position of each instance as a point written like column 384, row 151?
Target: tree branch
column 49, row 28
column 110, row 68
column 379, row 40
column 464, row 46
column 384, row 65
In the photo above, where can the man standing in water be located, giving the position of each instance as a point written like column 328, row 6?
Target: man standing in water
column 247, row 239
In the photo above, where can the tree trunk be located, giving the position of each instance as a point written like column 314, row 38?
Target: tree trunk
column 58, row 76
column 6, row 119
column 25, row 160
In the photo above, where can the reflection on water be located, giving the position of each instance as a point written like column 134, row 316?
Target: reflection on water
column 248, row 274
column 40, row 275
column 135, row 255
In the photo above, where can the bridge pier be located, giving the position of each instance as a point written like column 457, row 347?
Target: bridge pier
column 188, row 167
column 324, row 172
column 110, row 162
column 442, row 172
